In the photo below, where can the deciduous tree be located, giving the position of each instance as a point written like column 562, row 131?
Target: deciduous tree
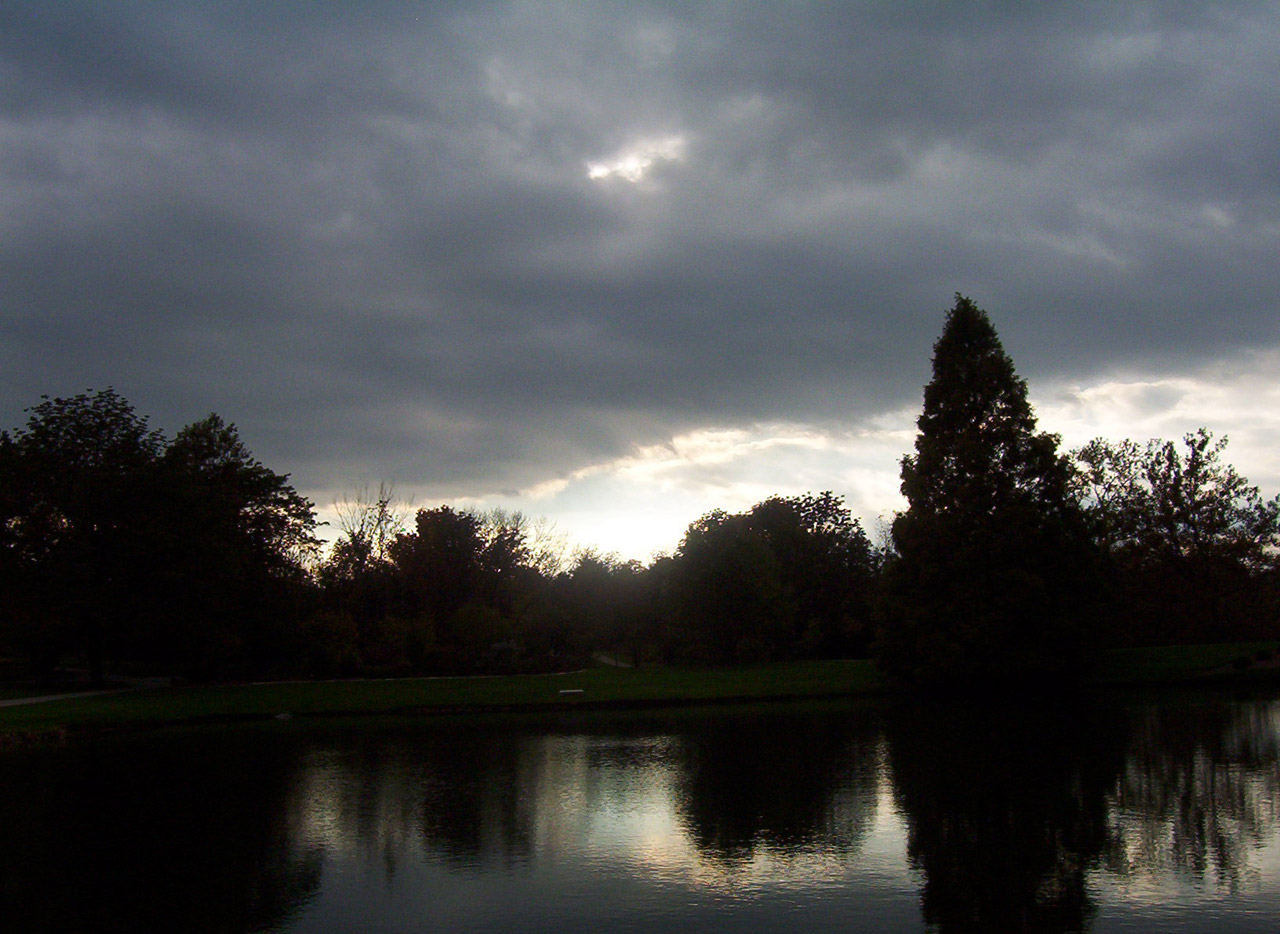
column 79, row 481
column 1192, row 542
column 828, row 568
column 240, row 541
column 369, row 524
column 471, row 577
column 118, row 544
column 730, row 602
column 792, row 577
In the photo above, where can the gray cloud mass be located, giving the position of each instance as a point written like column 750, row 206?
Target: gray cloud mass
column 367, row 233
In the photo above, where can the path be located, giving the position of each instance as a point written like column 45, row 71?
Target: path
column 18, row 701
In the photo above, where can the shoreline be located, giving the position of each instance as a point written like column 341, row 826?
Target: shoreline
column 59, row 718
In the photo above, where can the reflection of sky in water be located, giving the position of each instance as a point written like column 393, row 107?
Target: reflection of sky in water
column 1226, row 797
column 1133, row 816
column 573, row 832
column 1155, row 891
column 609, row 850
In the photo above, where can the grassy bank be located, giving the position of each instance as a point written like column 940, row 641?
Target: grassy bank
column 1172, row 664
column 589, row 688
column 592, row 687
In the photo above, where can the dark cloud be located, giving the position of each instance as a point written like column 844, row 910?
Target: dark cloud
column 366, row 232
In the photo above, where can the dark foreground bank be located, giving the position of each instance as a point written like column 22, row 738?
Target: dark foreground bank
column 1233, row 664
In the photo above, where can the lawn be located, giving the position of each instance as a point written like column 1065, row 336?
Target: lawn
column 588, row 688
column 1176, row 663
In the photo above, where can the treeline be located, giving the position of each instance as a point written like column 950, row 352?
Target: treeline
column 460, row 591
column 126, row 552
column 1014, row 562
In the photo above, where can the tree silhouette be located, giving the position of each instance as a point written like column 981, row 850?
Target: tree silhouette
column 828, row 567
column 239, row 541
column 79, row 484
column 792, row 577
column 360, row 589
column 118, row 545
column 604, row 601
column 729, row 598
column 1006, row 809
column 1191, row 542
column 468, row 581
column 993, row 571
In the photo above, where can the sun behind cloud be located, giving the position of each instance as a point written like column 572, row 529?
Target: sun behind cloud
column 632, row 163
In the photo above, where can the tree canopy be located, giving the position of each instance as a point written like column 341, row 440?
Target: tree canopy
column 791, row 577
column 1191, row 542
column 79, row 479
column 121, row 545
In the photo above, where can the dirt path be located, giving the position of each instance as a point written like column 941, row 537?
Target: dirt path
column 19, row 701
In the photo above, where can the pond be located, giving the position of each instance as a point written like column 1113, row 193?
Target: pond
column 1122, row 814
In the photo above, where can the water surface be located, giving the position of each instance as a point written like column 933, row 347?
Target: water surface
column 1117, row 815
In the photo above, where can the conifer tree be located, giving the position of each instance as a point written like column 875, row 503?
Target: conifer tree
column 991, row 579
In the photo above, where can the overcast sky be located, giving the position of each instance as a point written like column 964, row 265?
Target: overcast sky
column 619, row 263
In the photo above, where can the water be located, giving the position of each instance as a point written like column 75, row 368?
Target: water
column 1119, row 815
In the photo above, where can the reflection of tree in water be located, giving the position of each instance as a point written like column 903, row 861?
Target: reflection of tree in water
column 476, row 794
column 479, row 798
column 463, row 793
column 788, row 783
column 473, row 795
column 1006, row 809
column 361, row 793
column 484, row 796
column 1199, row 791
column 192, row 834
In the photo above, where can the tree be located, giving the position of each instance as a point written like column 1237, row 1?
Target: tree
column 10, row 565
column 255, row 507
column 79, row 481
column 359, row 591
column 543, row 548
column 471, row 578
column 1166, row 503
column 439, row 559
column 829, row 570
column 993, row 572
column 369, row 525
column 730, row 601
column 792, row 577
column 603, row 602
column 1191, row 541
column 240, row 540
column 119, row 545
column 507, row 568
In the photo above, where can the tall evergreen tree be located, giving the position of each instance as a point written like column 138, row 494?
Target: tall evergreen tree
column 992, row 576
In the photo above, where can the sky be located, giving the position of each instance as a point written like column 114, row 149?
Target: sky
column 618, row 264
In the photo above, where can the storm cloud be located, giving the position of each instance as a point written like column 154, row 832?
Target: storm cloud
column 478, row 247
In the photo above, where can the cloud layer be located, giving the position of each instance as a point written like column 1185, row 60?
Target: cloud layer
column 475, row 248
